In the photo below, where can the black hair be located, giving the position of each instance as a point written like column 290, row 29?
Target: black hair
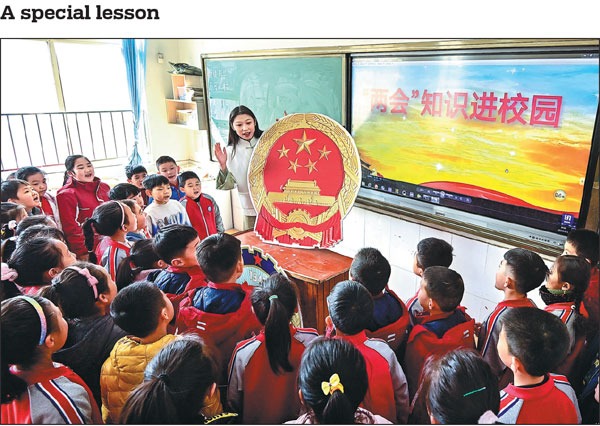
column 171, row 240
column 130, row 171
column 11, row 176
column 9, row 211
column 152, row 181
column 122, row 191
column 321, row 359
column 131, row 204
column 10, row 188
column 233, row 138
column 528, row 268
column 72, row 293
column 32, row 258
column 460, row 387
column 70, row 165
column 218, row 256
column 537, row 338
column 107, row 219
column 433, row 252
column 38, row 219
column 585, row 243
column 185, row 176
column 137, row 307
column 576, row 271
column 274, row 304
column 142, row 256
column 175, row 383
column 164, row 159
column 41, row 231
column 371, row 269
column 25, row 172
column 350, row 307
column 21, row 330
column 445, row 286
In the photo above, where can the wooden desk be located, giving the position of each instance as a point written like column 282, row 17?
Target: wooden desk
column 315, row 272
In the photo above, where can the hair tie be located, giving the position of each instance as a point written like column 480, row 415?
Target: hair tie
column 40, row 312
column 92, row 281
column 475, row 391
column 334, row 384
column 164, row 378
column 274, row 296
column 11, row 225
column 8, row 273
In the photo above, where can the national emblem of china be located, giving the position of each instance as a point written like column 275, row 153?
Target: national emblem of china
column 304, row 176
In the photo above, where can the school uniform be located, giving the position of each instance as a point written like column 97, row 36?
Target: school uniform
column 204, row 215
column 387, row 394
column 160, row 215
column 115, row 252
column 436, row 334
column 490, row 332
column 390, row 319
column 50, row 208
column 551, row 402
column 569, row 316
column 414, row 309
column 176, row 282
column 53, row 396
column 260, row 395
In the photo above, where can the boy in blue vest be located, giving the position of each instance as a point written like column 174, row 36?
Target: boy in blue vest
column 202, row 209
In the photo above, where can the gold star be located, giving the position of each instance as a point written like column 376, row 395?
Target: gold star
column 311, row 166
column 303, row 143
column 324, row 153
column 283, row 151
column 293, row 165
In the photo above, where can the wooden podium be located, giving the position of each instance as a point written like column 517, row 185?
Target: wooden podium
column 315, row 272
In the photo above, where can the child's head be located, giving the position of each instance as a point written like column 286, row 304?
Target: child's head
column 167, row 167
column 31, row 326
column 19, row 192
column 567, row 281
column 38, row 219
column 521, row 271
column 141, row 308
column 274, row 305
column 432, row 252
column 136, row 175
column 138, row 213
column 532, row 341
column 371, row 269
column 41, row 231
column 142, row 256
column 10, row 216
column 81, row 290
column 220, row 257
column 176, row 244
column 126, row 191
column 189, row 182
column 442, row 289
column 78, row 167
column 157, row 187
column 583, row 242
column 350, row 307
column 34, row 177
column 242, row 124
column 337, row 367
column 176, row 382
column 460, row 387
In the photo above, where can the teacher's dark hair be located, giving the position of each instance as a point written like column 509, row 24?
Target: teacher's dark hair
column 233, row 137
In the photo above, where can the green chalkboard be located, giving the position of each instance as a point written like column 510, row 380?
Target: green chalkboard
column 271, row 86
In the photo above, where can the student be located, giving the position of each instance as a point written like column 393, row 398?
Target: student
column 460, row 388
column 202, row 209
column 164, row 210
column 332, row 383
column 390, row 317
column 142, row 260
column 350, row 310
column 584, row 243
column 20, row 192
column 174, row 382
column 234, row 160
column 33, row 264
column 38, row 219
column 10, row 216
column 519, row 272
column 140, row 233
column 34, row 389
column 143, row 312
column 167, row 167
column 28, row 233
column 446, row 325
column 222, row 308
column 127, row 191
column 83, row 292
column 136, row 175
column 430, row 252
column 533, row 343
column 263, row 369
column 37, row 179
column 115, row 220
column 81, row 193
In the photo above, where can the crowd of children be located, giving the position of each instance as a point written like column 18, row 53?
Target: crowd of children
column 122, row 306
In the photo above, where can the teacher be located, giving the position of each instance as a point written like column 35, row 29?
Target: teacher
column 234, row 159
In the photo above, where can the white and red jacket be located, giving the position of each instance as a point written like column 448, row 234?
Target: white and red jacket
column 395, row 333
column 204, row 214
column 50, row 208
column 414, row 308
column 258, row 394
column 115, row 252
column 76, row 202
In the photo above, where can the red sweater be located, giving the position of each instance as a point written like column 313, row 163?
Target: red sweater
column 76, row 202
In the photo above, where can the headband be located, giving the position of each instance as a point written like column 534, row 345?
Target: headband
column 122, row 213
column 8, row 273
column 92, row 281
column 40, row 312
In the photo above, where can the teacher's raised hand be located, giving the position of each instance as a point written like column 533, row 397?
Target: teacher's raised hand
column 221, row 155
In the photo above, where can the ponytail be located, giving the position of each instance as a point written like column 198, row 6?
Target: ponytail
column 338, row 410
column 8, row 247
column 66, row 178
column 88, row 234
column 142, row 256
column 126, row 273
column 150, row 400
